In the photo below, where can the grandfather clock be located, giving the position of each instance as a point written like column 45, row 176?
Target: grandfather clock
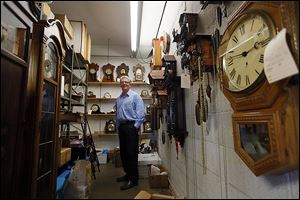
column 49, row 46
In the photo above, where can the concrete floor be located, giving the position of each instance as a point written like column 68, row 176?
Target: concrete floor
column 106, row 187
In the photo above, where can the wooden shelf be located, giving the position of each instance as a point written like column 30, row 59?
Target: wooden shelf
column 101, row 99
column 103, row 133
column 111, row 99
column 115, row 83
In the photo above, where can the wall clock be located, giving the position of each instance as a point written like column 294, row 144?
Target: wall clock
column 262, row 134
column 108, row 71
column 93, row 69
column 138, row 72
column 122, row 70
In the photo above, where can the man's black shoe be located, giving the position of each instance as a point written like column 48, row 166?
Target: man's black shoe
column 122, row 178
column 128, row 185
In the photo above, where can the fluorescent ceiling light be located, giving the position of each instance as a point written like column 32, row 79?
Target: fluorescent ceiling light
column 134, row 19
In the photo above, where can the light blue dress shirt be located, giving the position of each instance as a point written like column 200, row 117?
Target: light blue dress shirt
column 130, row 107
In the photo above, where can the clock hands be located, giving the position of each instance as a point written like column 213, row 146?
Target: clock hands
column 250, row 38
column 256, row 45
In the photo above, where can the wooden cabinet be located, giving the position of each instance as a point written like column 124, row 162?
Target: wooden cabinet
column 31, row 56
column 18, row 82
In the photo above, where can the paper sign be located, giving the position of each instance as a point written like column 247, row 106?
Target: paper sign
column 185, row 80
column 278, row 60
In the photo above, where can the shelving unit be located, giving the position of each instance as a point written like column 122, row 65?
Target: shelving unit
column 73, row 106
column 106, row 104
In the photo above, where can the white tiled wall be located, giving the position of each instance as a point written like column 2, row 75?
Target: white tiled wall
column 222, row 174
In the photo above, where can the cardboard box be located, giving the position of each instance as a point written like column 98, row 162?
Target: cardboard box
column 79, row 38
column 102, row 158
column 111, row 156
column 146, row 195
column 158, row 181
column 144, row 160
column 66, row 23
column 65, row 156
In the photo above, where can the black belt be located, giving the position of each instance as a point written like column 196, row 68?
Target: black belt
column 127, row 122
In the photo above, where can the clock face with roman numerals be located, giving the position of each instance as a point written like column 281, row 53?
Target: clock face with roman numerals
column 243, row 60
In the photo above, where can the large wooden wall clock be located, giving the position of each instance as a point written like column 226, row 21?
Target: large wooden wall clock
column 263, row 136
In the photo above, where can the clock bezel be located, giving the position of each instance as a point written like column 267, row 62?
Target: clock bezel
column 241, row 19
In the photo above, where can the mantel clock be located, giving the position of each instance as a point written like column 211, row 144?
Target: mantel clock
column 138, row 72
column 108, row 71
column 122, row 70
column 263, row 136
column 93, row 69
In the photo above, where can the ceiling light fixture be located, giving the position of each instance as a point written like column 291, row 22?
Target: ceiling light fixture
column 134, row 21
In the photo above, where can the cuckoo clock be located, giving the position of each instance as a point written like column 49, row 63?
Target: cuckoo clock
column 175, row 101
column 157, row 81
column 263, row 134
column 169, row 63
column 108, row 73
column 122, row 70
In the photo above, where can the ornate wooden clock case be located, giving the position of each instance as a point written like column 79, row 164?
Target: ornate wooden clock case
column 49, row 45
column 93, row 69
column 265, row 137
column 108, row 73
column 122, row 70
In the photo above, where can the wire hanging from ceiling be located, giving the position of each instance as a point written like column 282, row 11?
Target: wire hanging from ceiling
column 162, row 14
column 108, row 50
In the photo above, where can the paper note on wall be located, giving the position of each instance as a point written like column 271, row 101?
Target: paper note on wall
column 185, row 80
column 278, row 60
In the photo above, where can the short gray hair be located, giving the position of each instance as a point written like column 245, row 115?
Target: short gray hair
column 127, row 77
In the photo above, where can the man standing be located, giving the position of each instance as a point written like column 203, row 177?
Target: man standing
column 130, row 114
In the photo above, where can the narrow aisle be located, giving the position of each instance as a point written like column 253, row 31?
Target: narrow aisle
column 106, row 187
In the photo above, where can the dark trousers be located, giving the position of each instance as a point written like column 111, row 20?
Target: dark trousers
column 128, row 138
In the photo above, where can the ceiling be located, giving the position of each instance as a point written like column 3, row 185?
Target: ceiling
column 109, row 21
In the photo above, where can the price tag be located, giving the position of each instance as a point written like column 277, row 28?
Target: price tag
column 185, row 80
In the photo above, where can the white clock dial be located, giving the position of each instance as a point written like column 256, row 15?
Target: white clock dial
column 92, row 71
column 108, row 71
column 243, row 60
